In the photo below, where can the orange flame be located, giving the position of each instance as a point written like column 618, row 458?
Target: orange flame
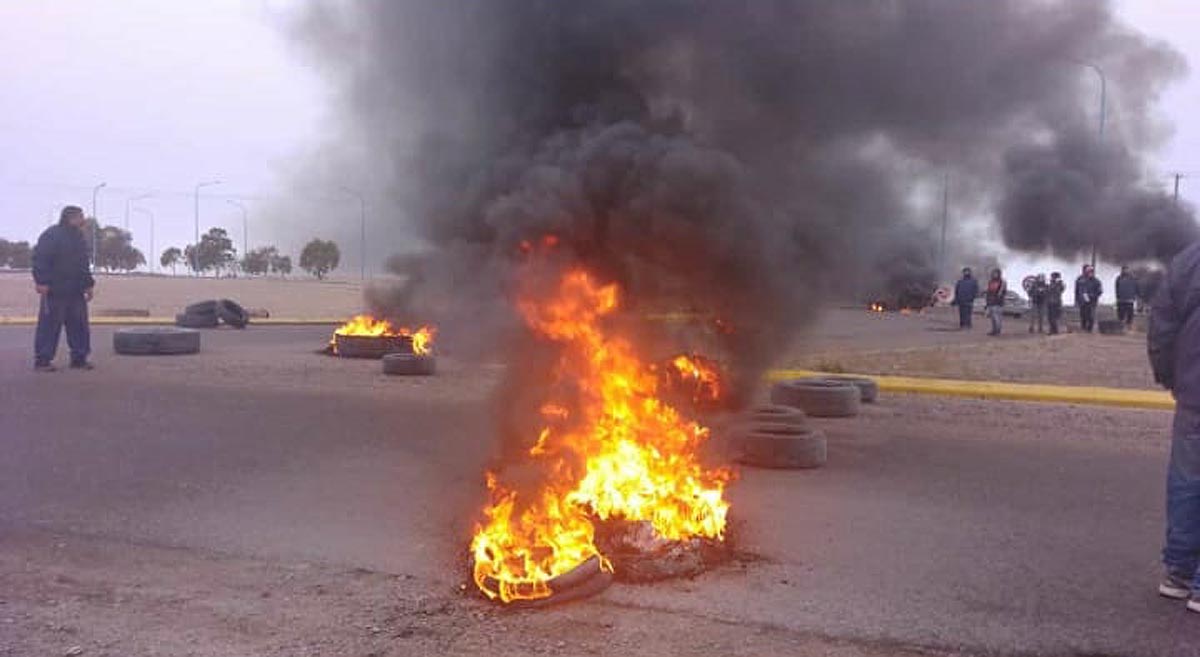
column 877, row 307
column 625, row 454
column 366, row 325
column 701, row 375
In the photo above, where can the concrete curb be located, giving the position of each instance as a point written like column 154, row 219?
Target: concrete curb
column 1033, row 392
column 170, row 321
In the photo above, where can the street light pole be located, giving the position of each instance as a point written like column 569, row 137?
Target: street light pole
column 362, row 227
column 130, row 200
column 245, row 240
column 1103, row 116
column 196, row 244
column 152, row 253
column 96, row 222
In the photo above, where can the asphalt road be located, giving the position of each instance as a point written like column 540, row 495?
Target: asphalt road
column 986, row 527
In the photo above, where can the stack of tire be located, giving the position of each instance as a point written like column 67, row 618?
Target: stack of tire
column 826, row 396
column 778, row 437
column 213, row 313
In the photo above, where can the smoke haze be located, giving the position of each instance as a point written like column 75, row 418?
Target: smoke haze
column 744, row 159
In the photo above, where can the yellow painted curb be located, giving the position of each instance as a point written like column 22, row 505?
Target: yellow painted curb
column 157, row 321
column 1034, row 392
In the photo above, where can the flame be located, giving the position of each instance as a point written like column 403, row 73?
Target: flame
column 366, row 325
column 877, row 307
column 701, row 375
column 610, row 448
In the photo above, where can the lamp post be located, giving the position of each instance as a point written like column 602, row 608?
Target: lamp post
column 196, row 244
column 245, row 240
column 1103, row 116
column 96, row 222
column 152, row 254
column 362, row 237
column 129, row 201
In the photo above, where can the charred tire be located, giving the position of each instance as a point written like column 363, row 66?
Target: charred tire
column 867, row 387
column 188, row 320
column 409, row 365
column 232, row 314
column 1110, row 327
column 202, row 308
column 156, row 340
column 818, row 397
column 586, row 579
column 795, row 449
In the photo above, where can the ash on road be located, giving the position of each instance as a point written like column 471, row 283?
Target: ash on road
column 259, row 499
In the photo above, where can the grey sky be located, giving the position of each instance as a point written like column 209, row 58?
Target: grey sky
column 153, row 96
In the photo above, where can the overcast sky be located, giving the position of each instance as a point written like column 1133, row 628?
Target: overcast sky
column 154, row 97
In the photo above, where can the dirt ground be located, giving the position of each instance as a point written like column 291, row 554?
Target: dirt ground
column 163, row 296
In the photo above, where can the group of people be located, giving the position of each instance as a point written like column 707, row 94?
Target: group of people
column 1045, row 299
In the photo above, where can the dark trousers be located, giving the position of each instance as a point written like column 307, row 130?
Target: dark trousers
column 1125, row 312
column 964, row 315
column 1181, row 550
column 54, row 314
column 1054, row 316
column 1087, row 316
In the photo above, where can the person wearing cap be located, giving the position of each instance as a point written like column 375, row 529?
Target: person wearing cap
column 965, row 291
column 1173, row 343
column 1054, row 301
column 64, row 283
column 1087, row 296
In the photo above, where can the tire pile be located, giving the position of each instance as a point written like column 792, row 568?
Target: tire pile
column 213, row 313
column 780, row 435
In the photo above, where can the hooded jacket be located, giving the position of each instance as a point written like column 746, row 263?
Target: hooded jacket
column 1173, row 341
column 60, row 261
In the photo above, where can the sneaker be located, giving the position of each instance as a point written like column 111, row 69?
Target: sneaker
column 1177, row 587
column 44, row 367
column 82, row 365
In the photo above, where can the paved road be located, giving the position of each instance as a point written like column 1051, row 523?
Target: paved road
column 999, row 528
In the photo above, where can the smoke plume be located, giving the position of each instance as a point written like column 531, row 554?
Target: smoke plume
column 746, row 159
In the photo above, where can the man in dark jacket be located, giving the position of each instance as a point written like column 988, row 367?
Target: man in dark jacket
column 965, row 291
column 1037, row 302
column 1087, row 296
column 993, row 297
column 63, row 281
column 1054, row 302
column 1126, row 288
column 1174, row 347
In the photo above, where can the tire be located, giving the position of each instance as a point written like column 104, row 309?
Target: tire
column 232, row 314
column 778, row 414
column 586, row 579
column 818, row 397
column 202, row 308
column 192, row 321
column 409, row 365
column 867, row 387
column 156, row 340
column 357, row 346
column 793, row 449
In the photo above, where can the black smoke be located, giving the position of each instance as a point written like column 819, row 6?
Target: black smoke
column 747, row 159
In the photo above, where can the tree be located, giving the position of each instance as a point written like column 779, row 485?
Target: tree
column 15, row 255
column 171, row 257
column 281, row 264
column 216, row 252
column 115, row 250
column 319, row 257
column 258, row 261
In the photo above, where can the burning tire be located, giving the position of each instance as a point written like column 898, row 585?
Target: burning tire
column 196, row 321
column 867, row 387
column 818, row 397
column 585, row 580
column 231, row 313
column 782, row 446
column 156, row 340
column 372, row 346
column 409, row 365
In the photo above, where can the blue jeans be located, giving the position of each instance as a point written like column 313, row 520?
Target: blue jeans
column 53, row 315
column 1181, row 552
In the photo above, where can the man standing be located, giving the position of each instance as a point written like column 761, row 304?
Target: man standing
column 65, row 284
column 1127, row 294
column 1174, row 347
column 965, row 291
column 1054, row 295
column 1037, row 303
column 994, row 301
column 1087, row 297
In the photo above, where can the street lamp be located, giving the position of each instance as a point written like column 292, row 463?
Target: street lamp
column 1103, row 115
column 130, row 200
column 362, row 244
column 196, row 244
column 245, row 240
column 149, row 213
column 96, row 222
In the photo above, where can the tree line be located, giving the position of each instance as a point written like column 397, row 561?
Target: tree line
column 215, row 254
